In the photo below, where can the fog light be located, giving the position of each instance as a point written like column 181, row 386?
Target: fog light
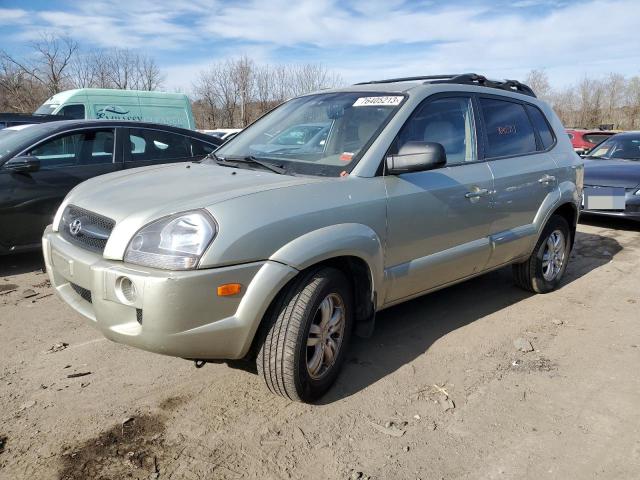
column 127, row 289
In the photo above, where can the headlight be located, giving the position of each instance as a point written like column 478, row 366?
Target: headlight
column 637, row 192
column 172, row 243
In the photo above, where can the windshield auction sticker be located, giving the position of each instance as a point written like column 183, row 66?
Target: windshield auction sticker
column 390, row 101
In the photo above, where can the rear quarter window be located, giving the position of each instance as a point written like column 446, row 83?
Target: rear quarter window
column 541, row 124
column 509, row 131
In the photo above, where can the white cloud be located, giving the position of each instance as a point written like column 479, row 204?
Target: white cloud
column 9, row 16
column 568, row 40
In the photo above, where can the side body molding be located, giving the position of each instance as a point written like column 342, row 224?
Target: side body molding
column 345, row 239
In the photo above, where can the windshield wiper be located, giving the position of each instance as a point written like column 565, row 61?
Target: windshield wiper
column 208, row 156
column 218, row 160
column 253, row 160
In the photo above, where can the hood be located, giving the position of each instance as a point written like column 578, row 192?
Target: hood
column 133, row 198
column 612, row 173
column 170, row 188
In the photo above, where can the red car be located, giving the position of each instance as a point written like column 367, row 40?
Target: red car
column 585, row 140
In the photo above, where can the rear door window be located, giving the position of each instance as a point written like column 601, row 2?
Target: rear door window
column 149, row 145
column 542, row 126
column 509, row 131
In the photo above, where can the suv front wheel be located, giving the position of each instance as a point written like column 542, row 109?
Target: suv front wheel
column 543, row 270
column 307, row 335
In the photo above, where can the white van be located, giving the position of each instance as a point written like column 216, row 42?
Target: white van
column 103, row 103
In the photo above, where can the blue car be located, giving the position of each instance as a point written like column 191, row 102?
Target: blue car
column 612, row 177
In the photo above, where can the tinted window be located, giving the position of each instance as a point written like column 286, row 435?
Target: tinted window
column 596, row 138
column 509, row 131
column 448, row 121
column 625, row 146
column 72, row 111
column 88, row 147
column 541, row 125
column 199, row 148
column 157, row 145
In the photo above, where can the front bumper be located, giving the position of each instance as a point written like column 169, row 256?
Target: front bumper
column 631, row 211
column 173, row 313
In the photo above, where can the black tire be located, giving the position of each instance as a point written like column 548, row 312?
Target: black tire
column 528, row 275
column 282, row 357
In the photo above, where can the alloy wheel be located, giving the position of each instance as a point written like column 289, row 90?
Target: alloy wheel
column 325, row 335
column 553, row 257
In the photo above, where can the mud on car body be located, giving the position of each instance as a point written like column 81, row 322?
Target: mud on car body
column 279, row 256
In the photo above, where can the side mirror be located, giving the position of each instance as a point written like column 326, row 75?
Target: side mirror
column 25, row 163
column 417, row 157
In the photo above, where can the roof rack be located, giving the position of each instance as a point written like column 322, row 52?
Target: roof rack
column 463, row 79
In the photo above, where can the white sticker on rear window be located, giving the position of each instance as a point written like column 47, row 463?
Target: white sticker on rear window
column 378, row 101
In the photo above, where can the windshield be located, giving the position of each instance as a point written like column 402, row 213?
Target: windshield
column 624, row 147
column 323, row 134
column 14, row 138
column 46, row 109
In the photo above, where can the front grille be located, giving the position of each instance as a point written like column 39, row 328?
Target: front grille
column 83, row 292
column 85, row 229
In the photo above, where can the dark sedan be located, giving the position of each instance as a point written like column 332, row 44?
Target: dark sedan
column 612, row 177
column 40, row 164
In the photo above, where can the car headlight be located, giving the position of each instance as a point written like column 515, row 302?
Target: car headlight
column 173, row 243
column 637, row 192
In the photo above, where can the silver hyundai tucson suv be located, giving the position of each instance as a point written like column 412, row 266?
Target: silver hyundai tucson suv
column 276, row 248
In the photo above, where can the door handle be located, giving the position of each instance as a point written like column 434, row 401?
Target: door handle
column 547, row 179
column 481, row 192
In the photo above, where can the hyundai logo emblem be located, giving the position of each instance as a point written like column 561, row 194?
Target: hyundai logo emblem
column 75, row 227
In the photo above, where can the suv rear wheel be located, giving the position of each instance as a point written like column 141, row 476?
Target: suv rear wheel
column 307, row 336
column 543, row 270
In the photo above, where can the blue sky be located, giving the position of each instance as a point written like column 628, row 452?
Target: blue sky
column 359, row 39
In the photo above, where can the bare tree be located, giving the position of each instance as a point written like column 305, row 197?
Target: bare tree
column 538, row 80
column 613, row 97
column 236, row 92
column 208, row 99
column 149, row 75
column 50, row 63
column 18, row 91
column 242, row 76
column 121, row 68
column 82, row 71
column 310, row 77
column 217, row 87
column 265, row 83
column 632, row 104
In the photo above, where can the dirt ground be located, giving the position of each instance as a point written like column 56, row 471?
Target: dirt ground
column 440, row 392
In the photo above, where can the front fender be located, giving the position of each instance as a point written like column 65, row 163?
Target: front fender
column 346, row 239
